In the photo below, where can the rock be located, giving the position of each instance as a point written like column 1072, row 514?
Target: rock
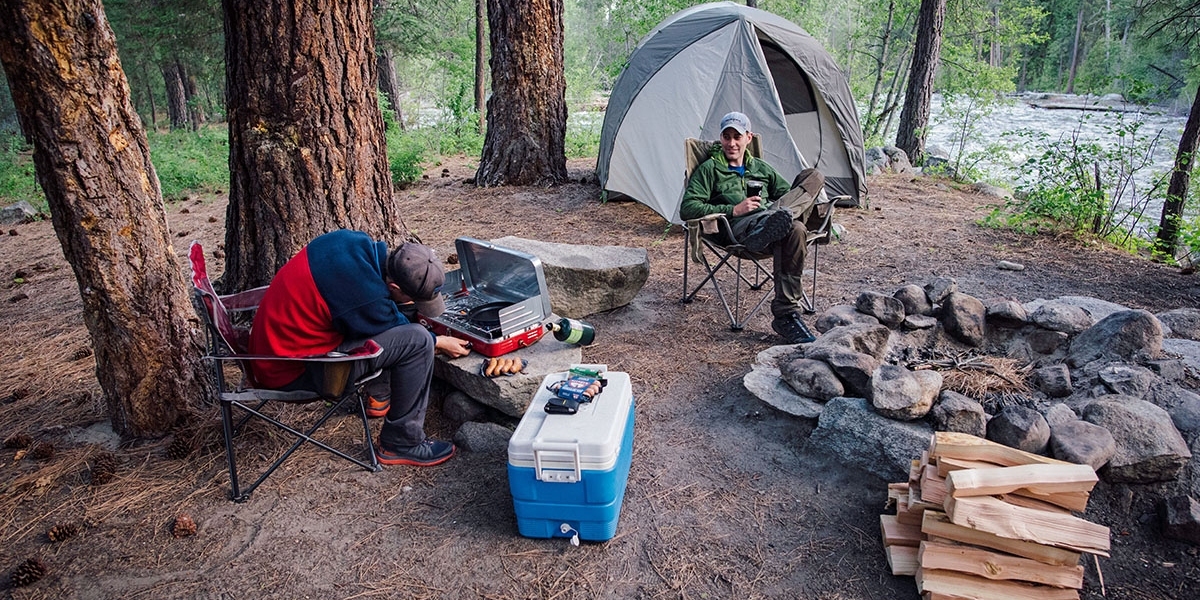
column 851, row 432
column 875, row 161
column 956, row 412
column 812, row 379
column 1169, row 369
column 898, row 160
column 1094, row 307
column 1057, row 414
column 994, row 191
column 1186, row 416
column 915, row 322
column 963, row 318
column 1054, row 380
column 914, row 300
column 1082, row 443
column 1005, row 312
column 1133, row 334
column 460, row 408
column 842, row 314
column 1188, row 351
column 1183, row 322
column 1044, row 341
column 1149, row 448
column 1005, row 265
column 898, row 393
column 1180, row 517
column 510, row 394
column 868, row 339
column 484, row 438
column 584, row 280
column 939, row 288
column 1057, row 316
column 1021, row 428
column 886, row 309
column 853, row 368
column 15, row 214
column 1126, row 379
column 766, row 382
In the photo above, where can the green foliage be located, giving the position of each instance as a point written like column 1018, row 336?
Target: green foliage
column 406, row 156
column 18, row 181
column 965, row 111
column 190, row 161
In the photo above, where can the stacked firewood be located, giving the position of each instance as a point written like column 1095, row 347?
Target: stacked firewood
column 978, row 519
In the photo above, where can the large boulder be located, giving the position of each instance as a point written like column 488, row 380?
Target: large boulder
column 1126, row 379
column 584, row 280
column 483, row 438
column 812, row 379
column 853, row 368
column 1095, row 308
column 939, row 288
column 956, row 412
column 1060, row 316
column 765, row 381
column 1188, row 351
column 864, row 338
column 1082, row 443
column 510, row 394
column 1149, row 448
column 1181, row 519
column 1044, row 341
column 16, row 214
column 914, row 300
column 851, row 432
column 1005, row 312
column 1182, row 323
column 898, row 393
column 1054, row 380
column 842, row 314
column 1125, row 335
column 1021, row 428
column 963, row 317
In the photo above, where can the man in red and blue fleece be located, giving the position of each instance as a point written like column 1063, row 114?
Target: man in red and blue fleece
column 340, row 290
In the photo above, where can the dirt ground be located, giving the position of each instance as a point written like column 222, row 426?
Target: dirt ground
column 725, row 499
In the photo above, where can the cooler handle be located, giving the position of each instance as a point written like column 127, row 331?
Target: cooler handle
column 555, row 476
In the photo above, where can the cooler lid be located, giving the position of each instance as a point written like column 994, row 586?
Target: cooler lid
column 500, row 273
column 560, row 446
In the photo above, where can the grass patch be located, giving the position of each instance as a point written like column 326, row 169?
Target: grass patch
column 189, row 161
column 17, row 178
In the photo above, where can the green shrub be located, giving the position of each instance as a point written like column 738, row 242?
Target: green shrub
column 406, row 155
column 189, row 161
column 18, row 181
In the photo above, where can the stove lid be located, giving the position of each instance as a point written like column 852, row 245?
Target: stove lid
column 501, row 274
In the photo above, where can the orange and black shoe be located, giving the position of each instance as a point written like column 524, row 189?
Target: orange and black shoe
column 377, row 408
column 426, row 454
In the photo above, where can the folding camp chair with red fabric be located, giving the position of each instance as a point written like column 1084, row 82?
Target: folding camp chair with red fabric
column 228, row 342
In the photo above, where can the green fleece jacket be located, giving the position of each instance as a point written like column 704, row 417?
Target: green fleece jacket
column 715, row 188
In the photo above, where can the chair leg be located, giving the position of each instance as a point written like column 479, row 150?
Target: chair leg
column 227, row 430
column 362, row 412
column 812, row 308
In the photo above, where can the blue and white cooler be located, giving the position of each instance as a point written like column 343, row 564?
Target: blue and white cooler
column 568, row 472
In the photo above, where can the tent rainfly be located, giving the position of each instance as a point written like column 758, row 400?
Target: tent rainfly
column 705, row 61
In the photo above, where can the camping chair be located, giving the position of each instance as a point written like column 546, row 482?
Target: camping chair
column 728, row 259
column 228, row 342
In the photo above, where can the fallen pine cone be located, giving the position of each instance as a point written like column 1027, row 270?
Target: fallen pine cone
column 104, row 468
column 29, row 572
column 42, row 451
column 184, row 526
column 62, row 531
column 18, row 441
column 180, row 447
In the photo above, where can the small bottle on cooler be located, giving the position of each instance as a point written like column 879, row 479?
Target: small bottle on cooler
column 572, row 331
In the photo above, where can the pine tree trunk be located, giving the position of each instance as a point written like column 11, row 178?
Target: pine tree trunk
column 1177, row 189
column 480, row 61
column 872, row 124
column 93, row 164
column 527, row 113
column 306, row 139
column 176, row 99
column 388, row 83
column 195, row 109
column 926, row 51
column 1075, row 48
column 150, row 95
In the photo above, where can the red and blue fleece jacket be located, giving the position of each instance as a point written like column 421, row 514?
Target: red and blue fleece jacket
column 332, row 290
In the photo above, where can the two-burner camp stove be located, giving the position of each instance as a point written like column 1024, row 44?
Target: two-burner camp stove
column 497, row 299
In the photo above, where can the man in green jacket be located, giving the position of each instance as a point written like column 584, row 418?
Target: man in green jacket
column 724, row 184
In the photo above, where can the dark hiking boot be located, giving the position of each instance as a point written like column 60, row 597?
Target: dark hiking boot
column 792, row 328
column 773, row 228
column 426, row 454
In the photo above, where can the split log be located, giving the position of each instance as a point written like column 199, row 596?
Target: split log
column 993, row 515
column 896, row 533
column 994, row 565
column 937, row 524
column 933, row 487
column 1066, row 485
column 946, row 464
column 949, row 444
column 902, row 560
column 961, row 585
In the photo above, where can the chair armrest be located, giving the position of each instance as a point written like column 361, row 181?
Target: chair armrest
column 247, row 300
column 336, row 364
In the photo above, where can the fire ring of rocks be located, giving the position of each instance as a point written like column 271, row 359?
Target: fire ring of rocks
column 1080, row 379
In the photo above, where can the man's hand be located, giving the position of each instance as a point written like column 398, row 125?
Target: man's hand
column 451, row 346
column 747, row 206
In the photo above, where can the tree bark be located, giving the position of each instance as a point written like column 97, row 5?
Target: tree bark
column 150, row 95
column 1177, row 189
column 176, row 99
column 385, row 61
column 191, row 97
column 1075, row 48
column 527, row 113
column 480, row 59
column 306, row 138
column 926, row 52
column 93, row 163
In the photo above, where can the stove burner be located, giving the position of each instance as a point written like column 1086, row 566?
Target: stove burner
column 487, row 315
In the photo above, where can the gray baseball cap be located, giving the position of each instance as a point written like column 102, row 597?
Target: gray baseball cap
column 736, row 120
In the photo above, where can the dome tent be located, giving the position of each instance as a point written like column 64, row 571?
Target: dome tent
column 705, row 61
